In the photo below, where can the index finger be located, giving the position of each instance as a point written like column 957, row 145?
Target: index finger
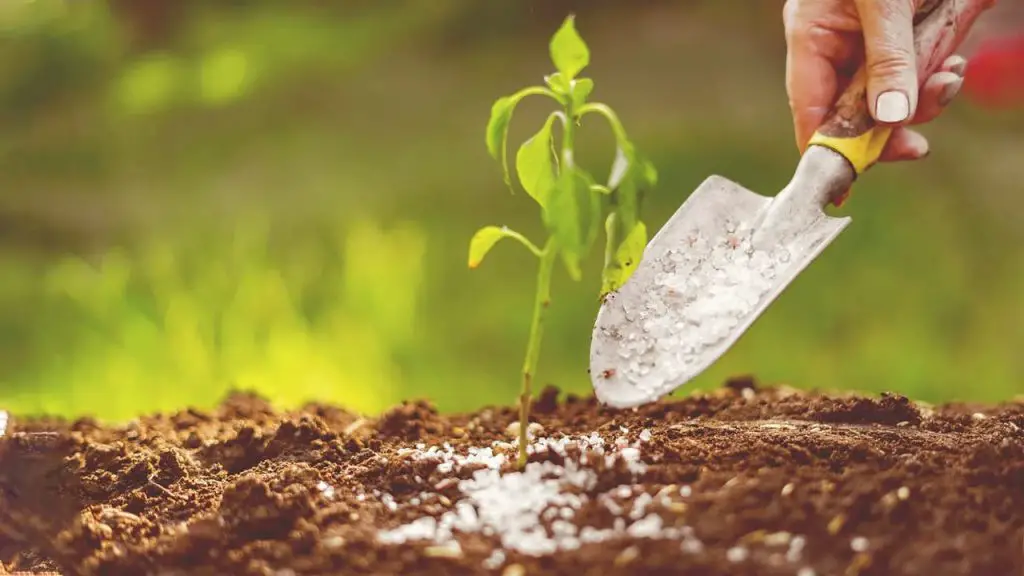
column 811, row 84
column 819, row 44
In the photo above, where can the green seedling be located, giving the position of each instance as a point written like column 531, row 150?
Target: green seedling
column 572, row 202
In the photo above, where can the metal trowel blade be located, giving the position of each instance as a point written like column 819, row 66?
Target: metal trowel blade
column 705, row 277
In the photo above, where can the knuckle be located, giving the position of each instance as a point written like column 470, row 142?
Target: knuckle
column 801, row 32
column 888, row 13
column 897, row 8
column 796, row 25
column 802, row 23
column 890, row 61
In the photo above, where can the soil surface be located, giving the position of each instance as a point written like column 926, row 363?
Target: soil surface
column 738, row 481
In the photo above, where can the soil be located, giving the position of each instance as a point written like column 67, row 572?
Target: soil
column 742, row 480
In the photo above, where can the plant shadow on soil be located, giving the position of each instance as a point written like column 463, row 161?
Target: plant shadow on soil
column 742, row 480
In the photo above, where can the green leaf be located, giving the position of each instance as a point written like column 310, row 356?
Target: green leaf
column 649, row 174
column 485, row 238
column 626, row 259
column 625, row 193
column 557, row 83
column 497, row 125
column 644, row 177
column 497, row 131
column 569, row 53
column 535, row 163
column 621, row 165
column 482, row 242
column 562, row 215
column 569, row 217
column 590, row 194
column 630, row 176
column 581, row 89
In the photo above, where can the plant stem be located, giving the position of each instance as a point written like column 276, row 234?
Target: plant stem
column 540, row 305
column 543, row 296
column 569, row 138
column 523, row 240
column 609, row 114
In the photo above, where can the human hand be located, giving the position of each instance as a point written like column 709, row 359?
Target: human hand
column 828, row 40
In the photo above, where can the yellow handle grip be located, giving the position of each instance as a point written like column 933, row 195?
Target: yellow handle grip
column 861, row 151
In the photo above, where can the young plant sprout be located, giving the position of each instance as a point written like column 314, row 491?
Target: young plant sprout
column 572, row 202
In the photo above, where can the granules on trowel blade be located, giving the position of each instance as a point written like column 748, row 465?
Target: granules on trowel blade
column 701, row 293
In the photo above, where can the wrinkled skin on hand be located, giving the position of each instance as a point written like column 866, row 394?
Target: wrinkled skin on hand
column 828, row 40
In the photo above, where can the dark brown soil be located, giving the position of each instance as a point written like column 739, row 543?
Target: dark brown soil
column 738, row 481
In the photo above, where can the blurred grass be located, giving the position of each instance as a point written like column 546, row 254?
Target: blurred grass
column 174, row 321
column 275, row 203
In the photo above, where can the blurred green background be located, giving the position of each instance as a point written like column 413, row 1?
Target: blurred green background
column 278, row 196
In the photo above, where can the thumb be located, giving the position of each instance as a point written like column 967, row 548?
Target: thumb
column 890, row 57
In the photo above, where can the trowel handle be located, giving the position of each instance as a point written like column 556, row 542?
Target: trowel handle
column 849, row 128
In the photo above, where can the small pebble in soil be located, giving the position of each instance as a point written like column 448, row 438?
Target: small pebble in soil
column 788, row 489
column 326, row 489
column 737, row 554
column 836, row 524
column 450, row 549
column 514, row 570
column 777, row 539
column 692, row 546
column 903, row 493
column 806, row 571
column 495, row 560
column 796, row 548
column 533, row 429
column 628, row 555
column 859, row 544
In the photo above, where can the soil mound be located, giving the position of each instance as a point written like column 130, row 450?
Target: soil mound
column 738, row 481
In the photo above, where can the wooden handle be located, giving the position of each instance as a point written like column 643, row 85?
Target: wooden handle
column 849, row 129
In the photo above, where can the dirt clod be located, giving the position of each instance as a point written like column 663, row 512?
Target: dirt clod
column 744, row 480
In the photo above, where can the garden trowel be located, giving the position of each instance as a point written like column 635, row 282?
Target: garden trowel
column 728, row 252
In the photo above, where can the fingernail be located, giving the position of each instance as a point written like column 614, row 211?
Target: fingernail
column 922, row 149
column 949, row 91
column 959, row 64
column 892, row 107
